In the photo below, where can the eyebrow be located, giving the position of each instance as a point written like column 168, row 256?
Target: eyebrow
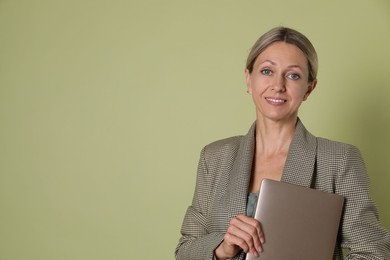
column 290, row 66
column 269, row 61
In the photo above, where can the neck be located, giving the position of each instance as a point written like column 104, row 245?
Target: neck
column 273, row 137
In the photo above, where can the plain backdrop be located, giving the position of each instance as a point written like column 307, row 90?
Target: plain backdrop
column 105, row 106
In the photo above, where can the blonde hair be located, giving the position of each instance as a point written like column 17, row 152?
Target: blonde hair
column 287, row 35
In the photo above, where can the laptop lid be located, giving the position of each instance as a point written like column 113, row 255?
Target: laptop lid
column 298, row 223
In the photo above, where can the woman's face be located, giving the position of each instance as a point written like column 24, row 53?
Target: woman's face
column 279, row 82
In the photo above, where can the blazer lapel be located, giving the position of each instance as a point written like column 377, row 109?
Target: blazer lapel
column 301, row 158
column 237, row 190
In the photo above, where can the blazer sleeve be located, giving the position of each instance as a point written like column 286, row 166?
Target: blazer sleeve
column 196, row 243
column 361, row 231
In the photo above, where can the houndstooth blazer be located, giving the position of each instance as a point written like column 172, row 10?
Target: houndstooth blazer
column 222, row 186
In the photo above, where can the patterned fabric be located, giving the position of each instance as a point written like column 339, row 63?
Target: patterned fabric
column 222, row 184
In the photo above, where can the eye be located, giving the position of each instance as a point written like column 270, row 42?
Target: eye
column 293, row 76
column 266, row 72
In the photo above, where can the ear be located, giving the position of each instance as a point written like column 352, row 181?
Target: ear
column 248, row 81
column 310, row 89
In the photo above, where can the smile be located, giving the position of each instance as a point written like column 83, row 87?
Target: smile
column 274, row 100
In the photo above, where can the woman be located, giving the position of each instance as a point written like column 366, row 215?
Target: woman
column 280, row 73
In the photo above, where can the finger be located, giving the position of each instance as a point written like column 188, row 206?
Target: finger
column 252, row 227
column 248, row 231
column 226, row 249
column 253, row 222
column 234, row 240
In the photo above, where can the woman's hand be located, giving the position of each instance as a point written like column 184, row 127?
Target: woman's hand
column 243, row 233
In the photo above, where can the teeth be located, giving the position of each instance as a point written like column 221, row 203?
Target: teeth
column 275, row 100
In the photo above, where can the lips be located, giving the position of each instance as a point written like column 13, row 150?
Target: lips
column 276, row 100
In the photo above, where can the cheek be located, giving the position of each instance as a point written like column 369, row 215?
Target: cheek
column 301, row 91
column 259, row 83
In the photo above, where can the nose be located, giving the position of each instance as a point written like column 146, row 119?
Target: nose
column 279, row 85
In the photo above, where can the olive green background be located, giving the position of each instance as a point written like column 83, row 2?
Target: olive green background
column 105, row 106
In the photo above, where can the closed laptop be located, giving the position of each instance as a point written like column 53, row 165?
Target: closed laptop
column 298, row 223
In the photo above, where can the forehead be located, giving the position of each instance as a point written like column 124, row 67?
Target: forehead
column 284, row 54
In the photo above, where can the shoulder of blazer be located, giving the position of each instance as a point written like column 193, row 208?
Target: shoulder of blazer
column 229, row 146
column 222, row 146
column 330, row 147
column 219, row 156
